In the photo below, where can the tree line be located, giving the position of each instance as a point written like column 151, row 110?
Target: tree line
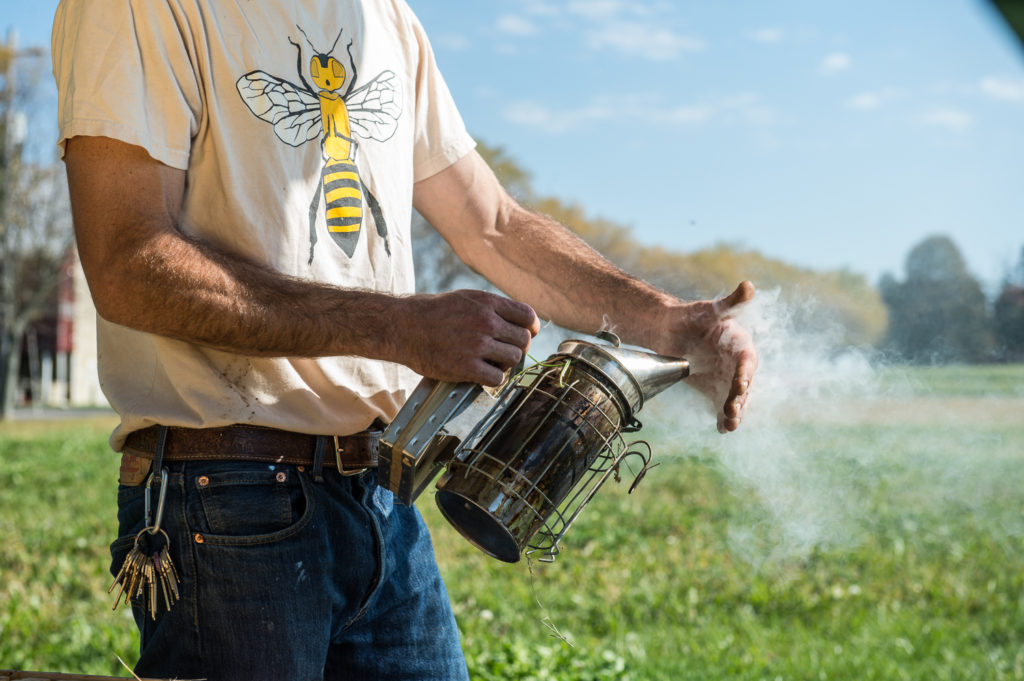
column 939, row 312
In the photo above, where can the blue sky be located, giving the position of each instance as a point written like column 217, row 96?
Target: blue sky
column 822, row 133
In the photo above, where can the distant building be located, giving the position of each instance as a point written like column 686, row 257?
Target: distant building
column 59, row 359
column 84, row 377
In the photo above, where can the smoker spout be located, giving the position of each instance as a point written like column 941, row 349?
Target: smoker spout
column 639, row 375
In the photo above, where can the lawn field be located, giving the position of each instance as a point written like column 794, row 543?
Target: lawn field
column 872, row 535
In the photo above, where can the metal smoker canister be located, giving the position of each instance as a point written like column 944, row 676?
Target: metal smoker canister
column 556, row 428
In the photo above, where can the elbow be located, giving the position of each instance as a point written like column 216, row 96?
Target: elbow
column 109, row 290
column 115, row 284
column 496, row 234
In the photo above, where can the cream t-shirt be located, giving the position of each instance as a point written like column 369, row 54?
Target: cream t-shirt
column 302, row 127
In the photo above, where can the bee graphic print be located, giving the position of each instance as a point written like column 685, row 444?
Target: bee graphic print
column 337, row 115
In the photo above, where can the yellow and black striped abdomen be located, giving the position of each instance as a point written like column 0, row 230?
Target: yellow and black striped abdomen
column 343, row 202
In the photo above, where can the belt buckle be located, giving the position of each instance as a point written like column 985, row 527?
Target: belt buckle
column 341, row 466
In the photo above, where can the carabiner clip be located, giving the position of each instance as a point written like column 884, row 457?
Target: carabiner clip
column 154, row 527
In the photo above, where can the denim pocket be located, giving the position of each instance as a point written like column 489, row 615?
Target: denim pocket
column 251, row 503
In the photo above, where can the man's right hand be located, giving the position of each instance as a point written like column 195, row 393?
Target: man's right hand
column 463, row 335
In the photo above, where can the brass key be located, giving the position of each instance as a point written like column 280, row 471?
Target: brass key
column 142, row 569
column 141, row 572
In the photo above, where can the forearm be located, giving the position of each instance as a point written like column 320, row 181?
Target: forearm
column 531, row 257
column 226, row 302
column 180, row 288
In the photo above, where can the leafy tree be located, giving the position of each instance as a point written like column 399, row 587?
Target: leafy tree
column 1008, row 314
column 1013, row 13
column 35, row 231
column 938, row 314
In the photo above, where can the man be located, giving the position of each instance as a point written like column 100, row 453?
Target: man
column 242, row 176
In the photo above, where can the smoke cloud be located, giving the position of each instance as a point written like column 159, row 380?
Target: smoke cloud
column 826, row 427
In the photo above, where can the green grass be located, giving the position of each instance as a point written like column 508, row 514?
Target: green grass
column 991, row 381
column 925, row 582
column 886, row 550
column 57, row 500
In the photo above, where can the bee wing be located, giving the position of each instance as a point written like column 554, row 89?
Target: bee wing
column 373, row 109
column 293, row 111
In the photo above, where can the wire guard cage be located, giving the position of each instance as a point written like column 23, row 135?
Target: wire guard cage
column 525, row 472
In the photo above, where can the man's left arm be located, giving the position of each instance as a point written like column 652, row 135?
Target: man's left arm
column 536, row 260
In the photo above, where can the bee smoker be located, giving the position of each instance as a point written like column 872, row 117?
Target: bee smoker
column 520, row 467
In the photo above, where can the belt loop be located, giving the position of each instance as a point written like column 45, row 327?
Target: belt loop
column 318, row 458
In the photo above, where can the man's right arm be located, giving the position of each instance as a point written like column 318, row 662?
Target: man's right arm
column 145, row 274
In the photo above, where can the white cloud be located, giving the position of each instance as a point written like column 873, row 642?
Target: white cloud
column 1005, row 89
column 873, row 99
column 643, row 40
column 768, row 35
column 629, row 27
column 644, row 109
column 865, row 101
column 456, row 42
column 542, row 9
column 597, row 9
column 517, row 26
column 746, row 107
column 534, row 115
column 834, row 62
column 953, row 120
column 688, row 114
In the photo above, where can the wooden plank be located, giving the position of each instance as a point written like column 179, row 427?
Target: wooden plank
column 10, row 675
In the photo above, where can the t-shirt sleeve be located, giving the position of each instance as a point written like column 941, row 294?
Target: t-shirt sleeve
column 441, row 137
column 125, row 70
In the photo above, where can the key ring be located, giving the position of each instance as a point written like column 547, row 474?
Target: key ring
column 151, row 531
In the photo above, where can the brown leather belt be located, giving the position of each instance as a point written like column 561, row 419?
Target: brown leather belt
column 351, row 454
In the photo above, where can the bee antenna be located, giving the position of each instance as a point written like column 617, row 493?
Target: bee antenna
column 308, row 41
column 337, row 39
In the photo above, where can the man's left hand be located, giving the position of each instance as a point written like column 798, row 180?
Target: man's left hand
column 721, row 352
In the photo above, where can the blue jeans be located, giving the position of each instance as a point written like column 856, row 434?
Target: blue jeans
column 287, row 578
